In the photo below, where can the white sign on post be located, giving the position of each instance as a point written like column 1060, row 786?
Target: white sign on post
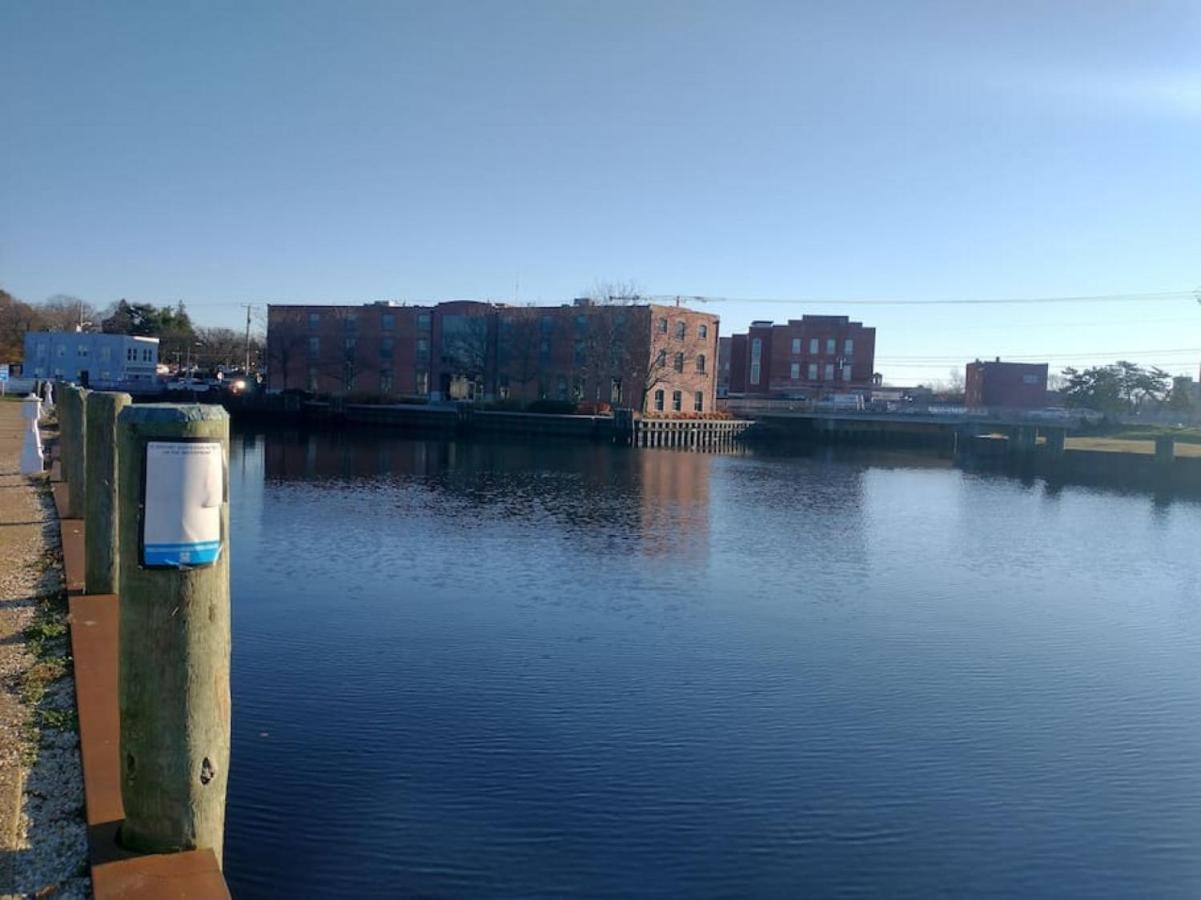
column 185, row 486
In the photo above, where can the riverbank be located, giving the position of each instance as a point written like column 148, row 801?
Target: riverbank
column 43, row 839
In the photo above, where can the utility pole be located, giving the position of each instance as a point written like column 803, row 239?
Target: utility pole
column 246, row 367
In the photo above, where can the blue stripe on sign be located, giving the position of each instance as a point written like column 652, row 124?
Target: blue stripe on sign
column 181, row 554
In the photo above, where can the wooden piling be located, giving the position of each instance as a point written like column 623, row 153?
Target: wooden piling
column 174, row 655
column 72, row 418
column 100, row 505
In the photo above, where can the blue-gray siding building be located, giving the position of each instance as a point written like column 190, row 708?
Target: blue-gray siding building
column 107, row 359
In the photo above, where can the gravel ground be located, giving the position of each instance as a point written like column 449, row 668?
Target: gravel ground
column 43, row 838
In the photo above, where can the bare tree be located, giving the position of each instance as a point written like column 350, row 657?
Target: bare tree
column 63, row 312
column 16, row 319
column 465, row 347
column 285, row 345
column 521, row 347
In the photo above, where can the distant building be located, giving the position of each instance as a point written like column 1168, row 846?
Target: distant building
column 806, row 358
column 646, row 357
column 99, row 360
column 999, row 384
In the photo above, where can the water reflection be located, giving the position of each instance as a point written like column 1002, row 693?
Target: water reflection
column 499, row 670
column 654, row 502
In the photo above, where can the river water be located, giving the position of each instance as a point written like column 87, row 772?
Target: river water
column 498, row 670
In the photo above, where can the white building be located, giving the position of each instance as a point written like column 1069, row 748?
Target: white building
column 102, row 360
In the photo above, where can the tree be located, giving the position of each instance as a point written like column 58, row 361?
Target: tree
column 170, row 324
column 522, row 346
column 1182, row 396
column 65, row 313
column 1121, row 387
column 465, row 348
column 16, row 318
column 351, row 359
column 220, row 347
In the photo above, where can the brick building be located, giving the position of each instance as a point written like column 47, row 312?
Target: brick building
column 1005, row 385
column 806, row 357
column 647, row 357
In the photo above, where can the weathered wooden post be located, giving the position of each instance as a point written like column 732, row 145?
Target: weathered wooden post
column 72, row 444
column 100, row 506
column 175, row 632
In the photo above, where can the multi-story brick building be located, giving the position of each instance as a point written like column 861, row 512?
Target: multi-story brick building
column 807, row 357
column 646, row 357
column 1005, row 385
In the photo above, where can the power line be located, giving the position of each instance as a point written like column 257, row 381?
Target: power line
column 1154, row 297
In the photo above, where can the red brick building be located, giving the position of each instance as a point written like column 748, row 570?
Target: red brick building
column 807, row 357
column 646, row 357
column 999, row 384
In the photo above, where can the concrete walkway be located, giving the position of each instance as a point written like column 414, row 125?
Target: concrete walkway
column 43, row 847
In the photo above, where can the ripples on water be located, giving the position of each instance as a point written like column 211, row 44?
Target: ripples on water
column 505, row 670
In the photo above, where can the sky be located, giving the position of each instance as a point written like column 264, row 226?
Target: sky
column 814, row 155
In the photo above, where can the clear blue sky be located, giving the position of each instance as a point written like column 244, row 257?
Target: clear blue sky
column 223, row 153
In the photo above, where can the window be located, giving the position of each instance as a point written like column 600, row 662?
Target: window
column 813, row 371
column 794, row 371
column 830, row 344
column 547, row 324
column 796, row 345
column 678, row 362
column 314, row 320
column 615, row 391
column 1030, row 379
column 313, row 378
column 503, row 387
column 106, row 353
column 423, row 381
column 147, row 355
column 829, row 372
column 661, row 359
column 580, row 353
column 82, row 350
column 544, row 352
column 423, row 321
column 128, row 353
column 846, row 373
column 662, row 326
column 813, row 345
column 681, row 330
column 385, row 347
column 700, row 363
column 41, row 350
column 702, row 331
column 351, row 322
column 423, row 350
column 350, row 343
column 659, row 401
column 561, row 387
column 756, row 357
column 385, row 381
column 387, row 321
column 62, row 351
column 677, row 401
column 581, row 323
column 848, row 347
column 38, row 372
column 577, row 389
column 314, row 346
column 698, row 401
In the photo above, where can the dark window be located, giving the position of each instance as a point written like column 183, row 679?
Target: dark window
column 659, row 401
column 700, row 363
column 423, row 321
column 677, row 401
column 662, row 326
column 388, row 321
column 678, row 365
column 698, row 402
column 681, row 330
column 702, row 331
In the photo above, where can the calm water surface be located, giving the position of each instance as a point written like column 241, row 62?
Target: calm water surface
column 503, row 670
